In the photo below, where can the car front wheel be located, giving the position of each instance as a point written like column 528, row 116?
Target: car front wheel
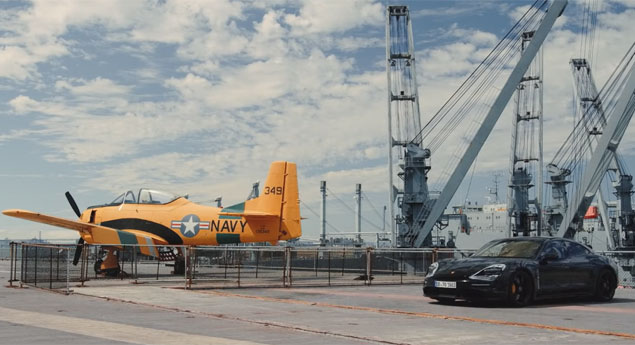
column 605, row 286
column 520, row 289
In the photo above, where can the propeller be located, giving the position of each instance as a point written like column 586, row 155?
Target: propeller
column 71, row 201
column 80, row 242
column 78, row 251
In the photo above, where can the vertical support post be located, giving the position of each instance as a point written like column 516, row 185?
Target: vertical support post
column 11, row 263
column 315, row 261
column 369, row 259
column 57, row 267
column 186, row 265
column 286, row 277
column 22, row 266
column 35, row 266
column 329, row 269
column 134, row 265
column 51, row 268
column 358, row 212
column 240, row 261
column 68, row 271
column 323, row 213
column 400, row 267
column 343, row 259
column 257, row 261
column 83, row 273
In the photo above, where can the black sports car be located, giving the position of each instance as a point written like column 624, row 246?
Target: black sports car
column 521, row 269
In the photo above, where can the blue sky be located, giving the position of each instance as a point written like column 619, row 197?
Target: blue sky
column 198, row 97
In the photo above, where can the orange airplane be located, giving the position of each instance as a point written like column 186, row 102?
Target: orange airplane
column 155, row 219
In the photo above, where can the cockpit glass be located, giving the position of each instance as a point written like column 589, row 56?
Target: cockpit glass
column 130, row 197
column 145, row 196
column 149, row 196
column 118, row 200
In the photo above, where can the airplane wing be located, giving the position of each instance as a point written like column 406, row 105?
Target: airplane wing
column 94, row 233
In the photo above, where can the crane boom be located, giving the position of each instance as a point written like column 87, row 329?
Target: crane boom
column 602, row 156
column 490, row 120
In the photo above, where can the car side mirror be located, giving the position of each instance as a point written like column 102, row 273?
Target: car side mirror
column 551, row 255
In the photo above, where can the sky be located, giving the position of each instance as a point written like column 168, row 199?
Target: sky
column 199, row 97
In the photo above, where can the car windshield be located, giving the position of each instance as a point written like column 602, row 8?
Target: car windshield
column 510, row 249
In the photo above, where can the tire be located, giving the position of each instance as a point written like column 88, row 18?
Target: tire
column 520, row 289
column 98, row 266
column 179, row 265
column 605, row 286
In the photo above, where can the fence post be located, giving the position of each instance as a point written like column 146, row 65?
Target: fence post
column 11, row 263
column 50, row 268
column 35, row 276
column 134, row 266
column 329, row 270
column 343, row 259
column 240, row 260
column 257, row 261
column 83, row 273
column 68, row 273
column 22, row 265
column 400, row 267
column 369, row 258
column 315, row 260
column 286, row 278
column 185, row 264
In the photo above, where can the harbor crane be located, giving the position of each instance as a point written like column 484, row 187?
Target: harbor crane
column 569, row 158
column 420, row 208
column 619, row 106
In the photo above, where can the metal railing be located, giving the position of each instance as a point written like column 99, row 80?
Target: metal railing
column 50, row 266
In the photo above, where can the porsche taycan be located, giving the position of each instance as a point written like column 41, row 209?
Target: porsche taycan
column 523, row 269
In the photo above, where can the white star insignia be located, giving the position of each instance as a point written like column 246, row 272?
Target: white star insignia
column 190, row 226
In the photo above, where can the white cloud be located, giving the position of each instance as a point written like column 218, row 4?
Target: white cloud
column 332, row 16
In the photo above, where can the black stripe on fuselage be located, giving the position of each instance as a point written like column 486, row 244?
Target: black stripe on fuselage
column 145, row 225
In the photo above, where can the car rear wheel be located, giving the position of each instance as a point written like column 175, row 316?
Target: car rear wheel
column 520, row 290
column 605, row 286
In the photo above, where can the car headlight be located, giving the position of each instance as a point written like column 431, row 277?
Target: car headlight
column 489, row 273
column 432, row 269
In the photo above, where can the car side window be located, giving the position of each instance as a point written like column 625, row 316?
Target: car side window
column 555, row 246
column 576, row 250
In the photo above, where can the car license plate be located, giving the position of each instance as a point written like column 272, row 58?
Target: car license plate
column 446, row 285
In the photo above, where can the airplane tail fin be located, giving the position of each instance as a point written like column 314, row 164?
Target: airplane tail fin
column 279, row 197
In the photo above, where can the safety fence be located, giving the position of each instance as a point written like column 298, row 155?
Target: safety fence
column 51, row 266
column 625, row 261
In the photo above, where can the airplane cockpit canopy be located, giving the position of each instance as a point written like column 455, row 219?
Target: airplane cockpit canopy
column 144, row 196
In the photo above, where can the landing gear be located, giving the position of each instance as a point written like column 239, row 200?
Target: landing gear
column 179, row 265
column 110, row 265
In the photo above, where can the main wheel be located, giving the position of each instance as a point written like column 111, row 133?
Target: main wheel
column 98, row 266
column 605, row 286
column 520, row 289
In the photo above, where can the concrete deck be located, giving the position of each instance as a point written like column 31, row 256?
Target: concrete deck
column 151, row 314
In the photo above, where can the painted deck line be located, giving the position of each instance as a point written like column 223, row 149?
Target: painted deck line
column 611, row 310
column 355, row 294
column 256, row 322
column 427, row 315
column 109, row 330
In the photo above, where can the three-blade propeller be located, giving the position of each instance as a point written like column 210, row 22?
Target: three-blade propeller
column 80, row 242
